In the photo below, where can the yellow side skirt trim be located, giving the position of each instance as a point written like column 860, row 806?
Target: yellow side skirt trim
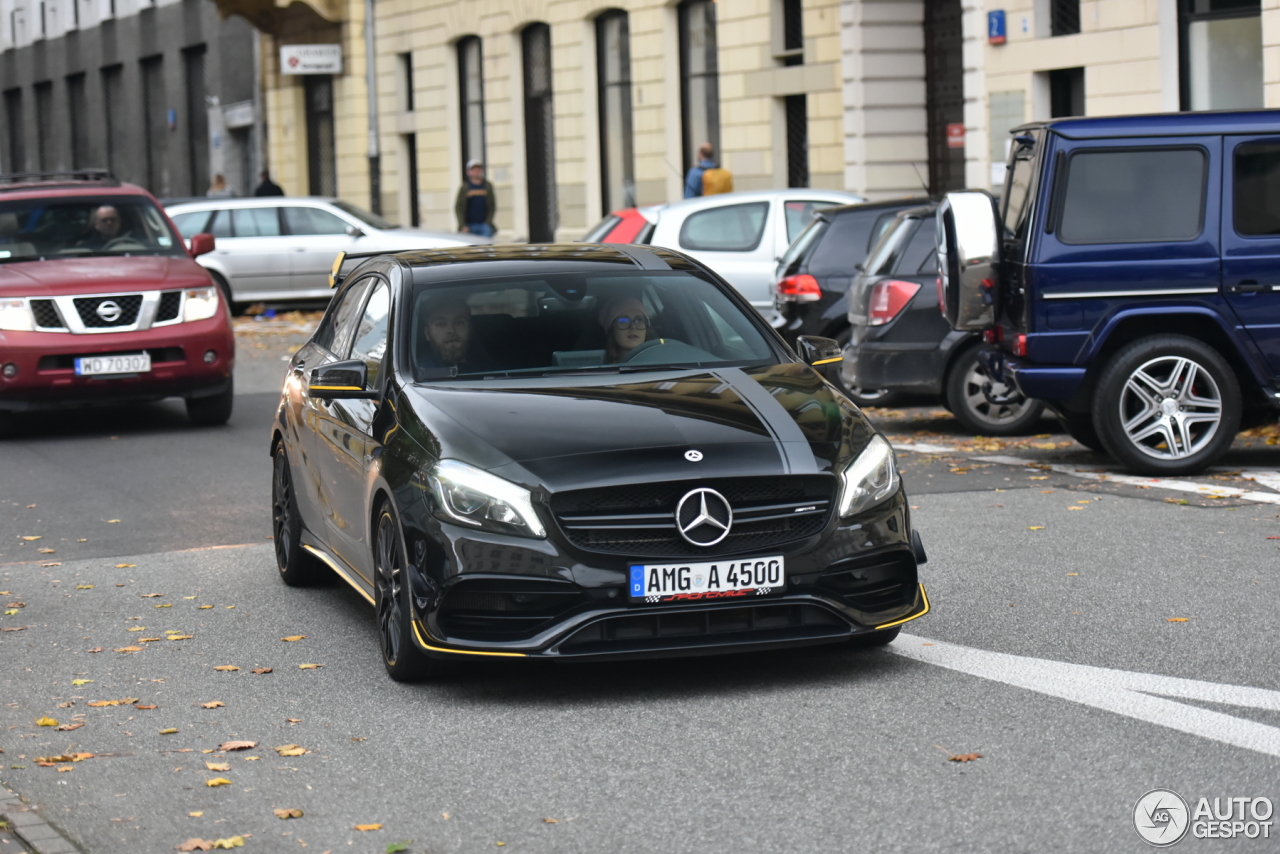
column 342, row 573
column 925, row 610
column 336, row 388
column 829, row 361
column 421, row 640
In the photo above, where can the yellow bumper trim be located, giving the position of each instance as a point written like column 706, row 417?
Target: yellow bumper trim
column 828, row 361
column 423, row 642
column 921, row 613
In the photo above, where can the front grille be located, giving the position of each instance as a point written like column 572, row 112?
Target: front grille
column 67, row 361
column 756, row 623
column 505, row 608
column 46, row 314
column 170, row 304
column 87, row 308
column 880, row 583
column 639, row 519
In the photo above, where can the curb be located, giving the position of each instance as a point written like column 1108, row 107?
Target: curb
column 28, row 828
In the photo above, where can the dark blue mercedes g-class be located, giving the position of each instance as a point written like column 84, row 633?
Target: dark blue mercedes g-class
column 1130, row 278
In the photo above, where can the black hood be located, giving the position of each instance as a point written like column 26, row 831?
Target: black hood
column 572, row 432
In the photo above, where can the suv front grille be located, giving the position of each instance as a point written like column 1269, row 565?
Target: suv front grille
column 639, row 519
column 87, row 308
column 46, row 314
column 170, row 305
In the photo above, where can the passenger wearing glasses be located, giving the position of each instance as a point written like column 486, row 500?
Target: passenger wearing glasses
column 627, row 325
column 106, row 226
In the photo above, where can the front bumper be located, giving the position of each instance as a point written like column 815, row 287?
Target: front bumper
column 46, row 377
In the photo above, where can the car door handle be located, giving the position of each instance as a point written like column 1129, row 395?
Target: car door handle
column 1249, row 286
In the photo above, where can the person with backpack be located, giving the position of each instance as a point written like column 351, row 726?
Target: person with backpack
column 707, row 179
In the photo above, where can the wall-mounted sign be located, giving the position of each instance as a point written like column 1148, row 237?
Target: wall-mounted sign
column 996, row 32
column 311, row 59
column 955, row 135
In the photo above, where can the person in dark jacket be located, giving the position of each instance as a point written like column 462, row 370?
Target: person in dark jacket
column 267, row 187
column 476, row 203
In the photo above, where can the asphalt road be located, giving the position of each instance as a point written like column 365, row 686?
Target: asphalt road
column 820, row 750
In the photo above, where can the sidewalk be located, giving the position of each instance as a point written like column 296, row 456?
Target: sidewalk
column 24, row 831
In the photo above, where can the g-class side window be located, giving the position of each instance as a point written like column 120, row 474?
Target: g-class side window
column 1138, row 195
column 1257, row 189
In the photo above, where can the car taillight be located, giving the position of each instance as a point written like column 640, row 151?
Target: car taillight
column 889, row 298
column 1020, row 345
column 801, row 288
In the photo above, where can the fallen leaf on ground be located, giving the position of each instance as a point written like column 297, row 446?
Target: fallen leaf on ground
column 146, row 595
column 226, row 667
column 232, row 842
column 180, row 637
column 69, row 727
column 96, row 649
column 19, row 629
column 146, row 707
column 217, row 781
column 148, row 640
column 213, row 704
column 363, row 827
column 46, row 721
column 551, row 821
column 97, row 704
column 237, row 745
column 293, row 720
column 131, row 649
column 288, row 813
column 218, row 766
column 309, row 666
column 395, row 847
column 965, row 757
column 9, row 612
column 195, row 844
column 56, row 563
column 205, row 607
column 33, row 539
column 165, row 605
column 260, row 670
column 290, row 750
column 291, row 638
column 47, row 551
column 136, row 629
column 79, row 682
column 113, row 521
column 1177, row 620
column 188, row 597
column 196, row 814
column 1036, row 528
column 84, row 586
column 168, row 730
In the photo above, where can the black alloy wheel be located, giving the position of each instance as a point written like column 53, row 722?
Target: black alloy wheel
column 297, row 568
column 404, row 661
column 863, row 396
column 1167, row 405
column 983, row 405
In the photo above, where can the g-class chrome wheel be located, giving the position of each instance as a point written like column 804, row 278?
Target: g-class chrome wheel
column 1170, row 407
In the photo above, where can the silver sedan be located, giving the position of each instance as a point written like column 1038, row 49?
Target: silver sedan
column 281, row 248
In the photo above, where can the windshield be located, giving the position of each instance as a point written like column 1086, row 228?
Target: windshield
column 88, row 225
column 578, row 323
column 370, row 219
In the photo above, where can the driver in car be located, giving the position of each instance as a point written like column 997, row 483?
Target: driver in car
column 106, row 225
column 627, row 324
column 447, row 330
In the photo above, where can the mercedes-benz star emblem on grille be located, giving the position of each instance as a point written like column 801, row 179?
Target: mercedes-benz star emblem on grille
column 109, row 311
column 703, row 517
column 693, row 456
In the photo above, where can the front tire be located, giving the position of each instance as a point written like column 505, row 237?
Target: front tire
column 984, row 406
column 1167, row 405
column 404, row 661
column 214, row 410
column 1080, row 427
column 297, row 568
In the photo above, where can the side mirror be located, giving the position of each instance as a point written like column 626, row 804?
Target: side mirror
column 201, row 244
column 344, row 380
column 816, row 351
column 354, row 231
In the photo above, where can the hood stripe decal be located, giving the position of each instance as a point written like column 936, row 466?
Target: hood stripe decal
column 793, row 447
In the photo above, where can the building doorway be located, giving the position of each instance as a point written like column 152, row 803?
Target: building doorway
column 322, row 162
column 944, row 94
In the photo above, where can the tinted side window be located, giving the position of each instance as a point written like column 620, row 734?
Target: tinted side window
column 335, row 327
column 1257, row 188
column 843, row 247
column 313, row 221
column 370, row 343
column 255, row 222
column 922, row 247
column 221, row 226
column 736, row 228
column 1138, row 196
column 190, row 223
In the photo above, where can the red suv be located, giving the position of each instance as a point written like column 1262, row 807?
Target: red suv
column 100, row 302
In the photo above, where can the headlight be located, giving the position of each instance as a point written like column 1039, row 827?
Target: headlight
column 15, row 316
column 869, row 479
column 469, row 496
column 201, row 303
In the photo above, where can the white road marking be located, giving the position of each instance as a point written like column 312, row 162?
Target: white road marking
column 1120, row 691
column 923, row 448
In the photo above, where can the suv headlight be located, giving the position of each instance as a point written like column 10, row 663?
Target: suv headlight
column 15, row 316
column 468, row 496
column 201, row 303
column 870, row 478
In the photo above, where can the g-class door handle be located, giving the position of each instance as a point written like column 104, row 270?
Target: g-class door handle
column 1249, row 286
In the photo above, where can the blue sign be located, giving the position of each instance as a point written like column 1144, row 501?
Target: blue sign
column 996, row 32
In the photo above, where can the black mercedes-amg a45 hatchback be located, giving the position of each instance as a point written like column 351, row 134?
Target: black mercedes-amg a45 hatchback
column 582, row 452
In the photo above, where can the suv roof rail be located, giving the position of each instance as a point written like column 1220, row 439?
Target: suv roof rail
column 68, row 178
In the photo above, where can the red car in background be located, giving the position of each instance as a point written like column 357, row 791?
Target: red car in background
column 625, row 226
column 101, row 303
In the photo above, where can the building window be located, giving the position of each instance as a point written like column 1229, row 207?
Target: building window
column 13, row 118
column 539, row 133
column 411, row 173
column 198, row 128
column 155, row 133
column 790, row 15
column 699, row 78
column 112, row 100
column 797, row 112
column 471, row 99
column 1221, row 54
column 405, row 63
column 77, row 115
column 1064, row 17
column 613, row 69
column 46, row 161
column 322, row 158
column 944, row 94
column 1066, row 92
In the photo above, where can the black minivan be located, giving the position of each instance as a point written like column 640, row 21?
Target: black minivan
column 900, row 342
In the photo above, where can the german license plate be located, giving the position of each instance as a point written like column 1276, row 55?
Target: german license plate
column 726, row 579
column 129, row 363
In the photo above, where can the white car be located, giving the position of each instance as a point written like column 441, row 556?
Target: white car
column 739, row 235
column 281, row 248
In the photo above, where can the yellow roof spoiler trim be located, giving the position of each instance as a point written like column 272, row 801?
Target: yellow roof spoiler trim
column 336, row 269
